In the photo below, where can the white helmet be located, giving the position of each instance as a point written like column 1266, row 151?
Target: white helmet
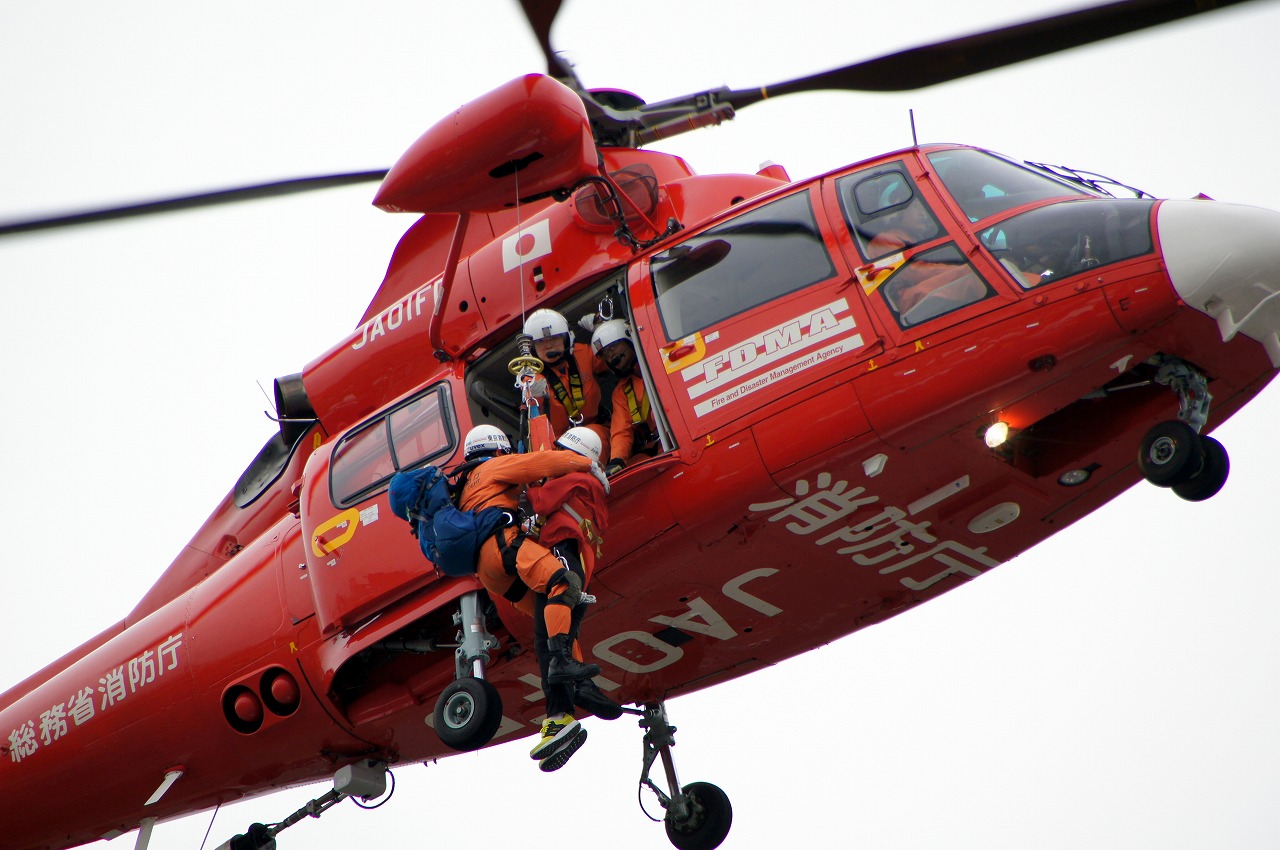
column 545, row 324
column 609, row 333
column 485, row 440
column 584, row 441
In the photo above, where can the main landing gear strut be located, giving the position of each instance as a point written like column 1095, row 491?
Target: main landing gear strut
column 469, row 711
column 1174, row 454
column 699, row 814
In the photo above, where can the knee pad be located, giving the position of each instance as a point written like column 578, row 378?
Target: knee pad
column 572, row 594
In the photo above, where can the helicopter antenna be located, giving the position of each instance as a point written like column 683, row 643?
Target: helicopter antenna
column 911, row 115
column 210, row 829
column 271, row 401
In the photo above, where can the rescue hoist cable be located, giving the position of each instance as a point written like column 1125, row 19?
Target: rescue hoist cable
column 525, row 366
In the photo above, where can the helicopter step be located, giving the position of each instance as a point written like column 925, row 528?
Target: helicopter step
column 698, row 815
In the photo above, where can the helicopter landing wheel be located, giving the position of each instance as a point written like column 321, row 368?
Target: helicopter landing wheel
column 707, row 821
column 468, row 714
column 698, row 814
column 1172, row 453
column 1212, row 475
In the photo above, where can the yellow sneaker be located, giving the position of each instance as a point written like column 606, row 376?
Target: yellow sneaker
column 560, row 757
column 557, row 732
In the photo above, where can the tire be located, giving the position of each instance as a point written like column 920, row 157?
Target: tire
column 709, row 820
column 1171, row 454
column 1212, row 475
column 468, row 714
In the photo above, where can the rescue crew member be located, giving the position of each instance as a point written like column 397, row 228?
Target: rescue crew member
column 908, row 226
column 511, row 566
column 569, row 369
column 633, row 431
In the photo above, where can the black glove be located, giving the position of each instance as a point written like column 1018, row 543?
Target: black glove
column 614, row 467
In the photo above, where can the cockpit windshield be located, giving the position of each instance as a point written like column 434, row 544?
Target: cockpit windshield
column 984, row 184
column 1057, row 241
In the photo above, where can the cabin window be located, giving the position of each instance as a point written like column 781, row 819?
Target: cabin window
column 885, row 212
column 747, row 261
column 984, row 184
column 931, row 284
column 410, row 434
column 1060, row 240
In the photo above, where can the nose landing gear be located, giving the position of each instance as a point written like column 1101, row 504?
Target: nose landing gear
column 1174, row 454
column 699, row 814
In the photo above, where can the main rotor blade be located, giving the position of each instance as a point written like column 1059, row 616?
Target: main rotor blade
column 541, row 14
column 961, row 57
column 187, row 202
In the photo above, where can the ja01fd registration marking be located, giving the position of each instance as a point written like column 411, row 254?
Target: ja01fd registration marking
column 784, row 350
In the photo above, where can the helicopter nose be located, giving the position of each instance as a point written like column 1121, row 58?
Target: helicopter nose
column 1224, row 260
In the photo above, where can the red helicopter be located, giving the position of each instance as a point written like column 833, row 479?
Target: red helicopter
column 722, row 390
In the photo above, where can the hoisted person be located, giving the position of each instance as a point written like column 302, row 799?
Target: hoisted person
column 545, row 584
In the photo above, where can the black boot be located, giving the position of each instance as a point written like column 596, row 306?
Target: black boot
column 588, row 696
column 564, row 668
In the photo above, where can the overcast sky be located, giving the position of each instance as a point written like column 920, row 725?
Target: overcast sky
column 1116, row 687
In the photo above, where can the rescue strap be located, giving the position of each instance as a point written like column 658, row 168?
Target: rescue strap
column 645, row 437
column 510, row 549
column 639, row 410
column 518, row 588
column 588, row 529
column 515, row 592
column 571, row 398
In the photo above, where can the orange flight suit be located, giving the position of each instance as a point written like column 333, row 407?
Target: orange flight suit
column 622, row 428
column 913, row 284
column 584, row 495
column 499, row 482
column 574, row 514
column 584, row 400
column 889, row 241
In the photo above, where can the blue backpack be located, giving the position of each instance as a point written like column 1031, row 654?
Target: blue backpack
column 450, row 538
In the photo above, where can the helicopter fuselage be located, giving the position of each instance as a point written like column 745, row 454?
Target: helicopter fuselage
column 824, row 383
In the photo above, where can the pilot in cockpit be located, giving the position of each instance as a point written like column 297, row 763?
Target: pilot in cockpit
column 904, row 227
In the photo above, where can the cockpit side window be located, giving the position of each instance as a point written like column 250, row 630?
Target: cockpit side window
column 412, row 433
column 751, row 259
column 885, row 212
column 1053, row 242
column 932, row 283
column 984, row 184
